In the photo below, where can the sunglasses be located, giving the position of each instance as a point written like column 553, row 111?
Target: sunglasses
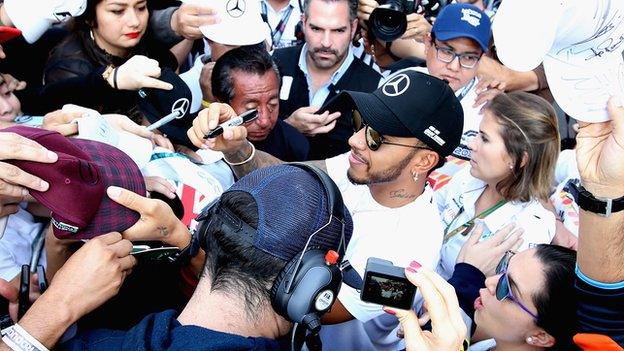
column 503, row 288
column 374, row 139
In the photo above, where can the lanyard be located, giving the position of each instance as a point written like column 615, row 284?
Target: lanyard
column 276, row 34
column 466, row 89
column 470, row 223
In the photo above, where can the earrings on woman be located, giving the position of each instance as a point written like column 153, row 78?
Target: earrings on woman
column 415, row 176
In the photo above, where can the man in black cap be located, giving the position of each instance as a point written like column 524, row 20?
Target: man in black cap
column 403, row 131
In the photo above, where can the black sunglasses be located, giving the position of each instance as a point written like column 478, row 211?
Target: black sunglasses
column 373, row 138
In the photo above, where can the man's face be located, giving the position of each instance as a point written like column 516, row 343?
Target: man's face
column 259, row 92
column 328, row 33
column 453, row 72
column 387, row 164
column 10, row 106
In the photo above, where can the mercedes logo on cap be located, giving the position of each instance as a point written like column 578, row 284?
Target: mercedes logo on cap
column 235, row 8
column 397, row 85
column 181, row 105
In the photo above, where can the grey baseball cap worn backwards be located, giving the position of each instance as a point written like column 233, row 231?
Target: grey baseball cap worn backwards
column 411, row 104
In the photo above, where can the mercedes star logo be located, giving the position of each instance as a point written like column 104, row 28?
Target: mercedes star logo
column 235, row 8
column 181, row 106
column 397, row 85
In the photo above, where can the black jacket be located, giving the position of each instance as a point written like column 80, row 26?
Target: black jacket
column 358, row 77
column 73, row 74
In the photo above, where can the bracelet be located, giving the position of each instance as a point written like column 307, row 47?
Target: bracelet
column 115, row 78
column 18, row 339
column 253, row 153
column 107, row 72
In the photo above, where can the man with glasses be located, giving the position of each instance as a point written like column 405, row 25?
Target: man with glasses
column 403, row 130
column 453, row 50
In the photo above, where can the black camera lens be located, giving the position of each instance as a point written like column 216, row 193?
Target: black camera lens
column 388, row 22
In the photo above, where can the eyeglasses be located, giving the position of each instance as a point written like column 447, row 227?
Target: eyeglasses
column 373, row 138
column 503, row 288
column 448, row 55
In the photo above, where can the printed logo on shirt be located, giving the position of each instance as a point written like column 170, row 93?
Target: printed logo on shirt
column 396, row 86
column 471, row 16
column 434, row 134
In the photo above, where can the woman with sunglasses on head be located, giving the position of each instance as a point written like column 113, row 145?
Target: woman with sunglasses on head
column 511, row 172
column 106, row 59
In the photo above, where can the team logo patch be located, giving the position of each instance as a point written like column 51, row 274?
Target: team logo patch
column 235, row 8
column 397, row 85
column 471, row 16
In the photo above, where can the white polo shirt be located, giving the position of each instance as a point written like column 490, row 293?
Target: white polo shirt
column 456, row 203
column 401, row 235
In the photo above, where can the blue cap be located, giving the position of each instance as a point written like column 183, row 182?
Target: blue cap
column 463, row 21
column 292, row 204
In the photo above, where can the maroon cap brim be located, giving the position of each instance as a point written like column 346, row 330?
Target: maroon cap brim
column 116, row 169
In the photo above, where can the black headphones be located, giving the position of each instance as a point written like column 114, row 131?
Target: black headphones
column 309, row 283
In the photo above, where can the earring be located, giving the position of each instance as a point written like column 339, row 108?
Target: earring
column 510, row 166
column 415, row 177
column 529, row 340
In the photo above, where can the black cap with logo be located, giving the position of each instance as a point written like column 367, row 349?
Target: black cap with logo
column 414, row 105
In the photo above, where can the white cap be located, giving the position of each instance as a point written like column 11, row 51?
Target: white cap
column 580, row 43
column 34, row 17
column 241, row 23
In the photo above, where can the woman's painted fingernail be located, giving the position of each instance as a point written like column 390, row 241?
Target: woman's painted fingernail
column 415, row 265
column 410, row 269
column 389, row 311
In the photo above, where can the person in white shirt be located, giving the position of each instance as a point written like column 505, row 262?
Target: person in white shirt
column 400, row 137
column 511, row 171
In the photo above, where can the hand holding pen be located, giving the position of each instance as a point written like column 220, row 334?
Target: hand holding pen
column 236, row 121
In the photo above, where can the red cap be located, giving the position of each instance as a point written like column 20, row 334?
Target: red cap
column 331, row 257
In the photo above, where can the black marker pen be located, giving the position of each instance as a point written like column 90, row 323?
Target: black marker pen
column 236, row 121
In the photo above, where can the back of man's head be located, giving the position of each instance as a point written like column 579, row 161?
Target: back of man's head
column 252, row 59
column 260, row 224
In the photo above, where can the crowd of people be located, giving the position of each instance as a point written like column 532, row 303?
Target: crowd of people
column 216, row 174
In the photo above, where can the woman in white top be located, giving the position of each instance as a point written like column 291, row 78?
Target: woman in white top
column 511, row 170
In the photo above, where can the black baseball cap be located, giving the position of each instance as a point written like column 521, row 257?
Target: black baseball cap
column 410, row 104
column 157, row 103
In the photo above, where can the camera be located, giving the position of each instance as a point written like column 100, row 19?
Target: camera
column 388, row 21
column 386, row 284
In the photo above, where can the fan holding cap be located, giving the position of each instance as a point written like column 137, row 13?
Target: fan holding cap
column 107, row 58
column 579, row 42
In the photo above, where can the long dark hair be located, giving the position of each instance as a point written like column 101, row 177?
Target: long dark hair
column 82, row 25
column 556, row 302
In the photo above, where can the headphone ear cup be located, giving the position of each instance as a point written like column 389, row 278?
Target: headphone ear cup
column 279, row 300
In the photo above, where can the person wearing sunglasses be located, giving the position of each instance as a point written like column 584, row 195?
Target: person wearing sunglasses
column 402, row 131
column 510, row 174
column 528, row 304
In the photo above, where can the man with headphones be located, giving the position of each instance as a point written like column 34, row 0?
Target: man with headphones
column 403, row 130
column 265, row 268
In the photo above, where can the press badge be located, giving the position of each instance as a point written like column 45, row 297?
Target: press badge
column 285, row 90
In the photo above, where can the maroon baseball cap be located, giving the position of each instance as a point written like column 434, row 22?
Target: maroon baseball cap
column 8, row 33
column 78, row 181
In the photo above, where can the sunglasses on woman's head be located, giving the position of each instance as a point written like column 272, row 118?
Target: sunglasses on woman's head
column 373, row 138
column 503, row 287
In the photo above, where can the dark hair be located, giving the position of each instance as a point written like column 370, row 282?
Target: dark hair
column 252, row 59
column 353, row 7
column 528, row 126
column 233, row 265
column 556, row 302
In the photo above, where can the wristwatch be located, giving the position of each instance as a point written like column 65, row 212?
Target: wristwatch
column 588, row 202
column 185, row 255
